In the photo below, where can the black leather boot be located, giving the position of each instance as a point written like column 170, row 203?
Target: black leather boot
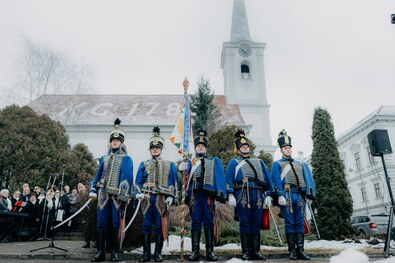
column 255, row 247
column 291, row 246
column 115, row 247
column 101, row 247
column 245, row 246
column 195, row 246
column 146, row 257
column 158, row 248
column 300, row 247
column 209, row 235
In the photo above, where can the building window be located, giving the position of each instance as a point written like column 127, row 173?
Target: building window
column 363, row 192
column 370, row 157
column 245, row 71
column 377, row 190
column 358, row 161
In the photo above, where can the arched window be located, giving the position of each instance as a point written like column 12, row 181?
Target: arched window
column 245, row 71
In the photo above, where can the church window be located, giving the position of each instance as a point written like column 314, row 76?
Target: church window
column 245, row 71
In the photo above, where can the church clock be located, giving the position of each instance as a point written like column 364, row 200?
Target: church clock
column 245, row 50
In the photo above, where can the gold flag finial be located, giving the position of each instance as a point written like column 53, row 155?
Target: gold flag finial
column 185, row 83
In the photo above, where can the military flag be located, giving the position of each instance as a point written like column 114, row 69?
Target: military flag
column 182, row 136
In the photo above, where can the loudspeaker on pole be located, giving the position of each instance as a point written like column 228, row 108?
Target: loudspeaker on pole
column 379, row 142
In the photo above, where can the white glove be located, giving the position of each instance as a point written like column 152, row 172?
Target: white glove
column 93, row 194
column 281, row 200
column 309, row 201
column 232, row 200
column 268, row 201
column 140, row 196
column 169, row 200
column 182, row 166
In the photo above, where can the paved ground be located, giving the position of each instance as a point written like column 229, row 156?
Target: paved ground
column 79, row 261
column 22, row 252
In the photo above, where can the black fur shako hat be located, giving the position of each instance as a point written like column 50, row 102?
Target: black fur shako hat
column 117, row 133
column 241, row 139
column 201, row 138
column 156, row 140
column 283, row 139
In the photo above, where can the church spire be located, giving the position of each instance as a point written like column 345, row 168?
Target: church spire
column 240, row 30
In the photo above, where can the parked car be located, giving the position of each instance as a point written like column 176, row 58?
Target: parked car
column 371, row 225
column 365, row 224
column 382, row 223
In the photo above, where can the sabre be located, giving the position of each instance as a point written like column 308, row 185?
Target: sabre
column 133, row 217
column 165, row 225
column 275, row 226
column 123, row 226
column 315, row 224
column 75, row 214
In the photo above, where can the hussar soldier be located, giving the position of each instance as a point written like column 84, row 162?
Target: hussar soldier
column 295, row 186
column 156, row 187
column 206, row 184
column 248, row 182
column 112, row 186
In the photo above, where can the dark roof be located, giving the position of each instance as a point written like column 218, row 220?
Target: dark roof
column 131, row 109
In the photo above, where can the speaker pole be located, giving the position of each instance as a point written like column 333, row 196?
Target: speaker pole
column 388, row 239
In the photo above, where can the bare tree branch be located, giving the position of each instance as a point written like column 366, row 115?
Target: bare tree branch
column 40, row 70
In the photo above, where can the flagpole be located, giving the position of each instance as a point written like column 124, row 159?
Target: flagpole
column 184, row 180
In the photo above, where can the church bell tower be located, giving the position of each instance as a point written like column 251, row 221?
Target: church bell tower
column 244, row 78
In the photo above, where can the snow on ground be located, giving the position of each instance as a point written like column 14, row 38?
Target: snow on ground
column 350, row 253
column 354, row 256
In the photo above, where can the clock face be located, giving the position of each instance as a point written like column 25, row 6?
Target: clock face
column 245, row 50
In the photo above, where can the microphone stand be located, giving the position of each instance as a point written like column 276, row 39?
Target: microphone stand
column 51, row 244
column 61, row 183
column 61, row 189
column 58, row 206
column 44, row 210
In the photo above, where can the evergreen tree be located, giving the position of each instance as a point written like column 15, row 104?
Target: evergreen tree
column 333, row 202
column 202, row 104
column 83, row 165
column 222, row 144
column 32, row 147
column 267, row 159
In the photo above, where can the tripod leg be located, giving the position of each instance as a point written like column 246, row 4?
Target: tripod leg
column 51, row 245
column 388, row 239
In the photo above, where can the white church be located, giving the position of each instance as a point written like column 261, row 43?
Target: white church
column 88, row 119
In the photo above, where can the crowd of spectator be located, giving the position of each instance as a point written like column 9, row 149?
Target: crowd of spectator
column 31, row 213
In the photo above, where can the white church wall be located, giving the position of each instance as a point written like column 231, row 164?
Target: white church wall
column 136, row 142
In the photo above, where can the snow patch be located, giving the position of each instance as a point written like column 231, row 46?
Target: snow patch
column 350, row 256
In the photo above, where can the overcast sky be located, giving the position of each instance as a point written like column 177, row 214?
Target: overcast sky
column 336, row 54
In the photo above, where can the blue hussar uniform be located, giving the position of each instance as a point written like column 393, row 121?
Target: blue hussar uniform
column 113, row 186
column 206, row 184
column 249, row 180
column 156, row 180
column 294, row 181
